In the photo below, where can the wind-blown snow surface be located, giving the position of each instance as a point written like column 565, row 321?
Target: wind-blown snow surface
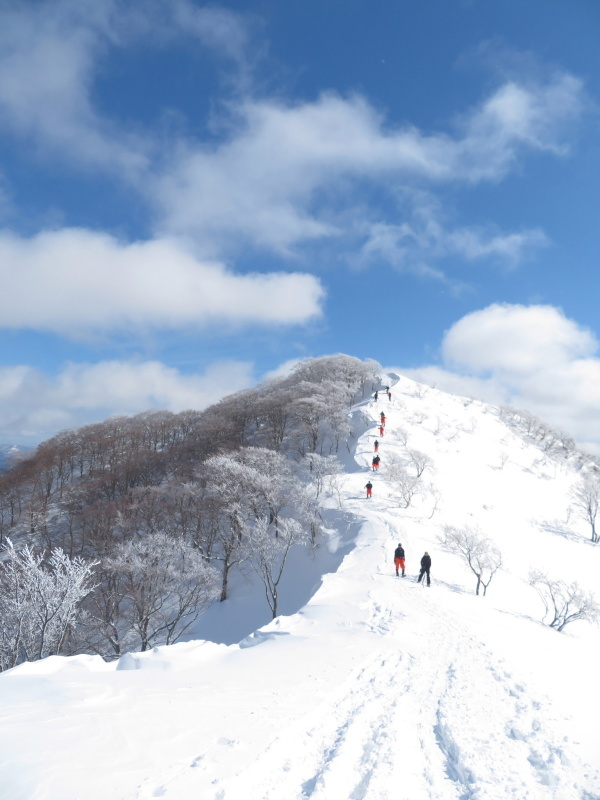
column 378, row 687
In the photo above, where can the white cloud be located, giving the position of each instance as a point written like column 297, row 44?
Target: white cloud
column 265, row 183
column 283, row 370
column 516, row 340
column 282, row 174
column 49, row 56
column 77, row 280
column 34, row 406
column 424, row 239
column 531, row 357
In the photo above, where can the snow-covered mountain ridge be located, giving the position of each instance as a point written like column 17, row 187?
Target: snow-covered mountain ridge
column 377, row 687
column 8, row 452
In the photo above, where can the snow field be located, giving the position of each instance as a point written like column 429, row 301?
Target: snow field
column 377, row 688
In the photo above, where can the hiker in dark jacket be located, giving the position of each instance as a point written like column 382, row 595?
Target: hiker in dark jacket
column 376, row 396
column 376, row 445
column 399, row 559
column 425, row 567
column 375, row 463
column 369, row 488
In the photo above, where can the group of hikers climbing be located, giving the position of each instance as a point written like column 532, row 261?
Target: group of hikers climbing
column 399, row 554
column 376, row 458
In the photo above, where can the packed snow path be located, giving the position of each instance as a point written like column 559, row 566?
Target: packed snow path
column 378, row 688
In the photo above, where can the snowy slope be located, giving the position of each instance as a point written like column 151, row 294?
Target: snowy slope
column 378, row 687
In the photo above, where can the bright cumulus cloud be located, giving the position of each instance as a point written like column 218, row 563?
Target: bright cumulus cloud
column 532, row 357
column 80, row 280
column 34, row 406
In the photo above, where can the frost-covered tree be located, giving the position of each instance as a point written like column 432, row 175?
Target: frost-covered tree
column 401, row 436
column 248, row 485
column 321, row 470
column 341, row 369
column 419, row 461
column 404, row 484
column 164, row 584
column 273, row 414
column 477, row 551
column 39, row 599
column 309, row 414
column 268, row 554
column 231, row 486
column 586, row 502
column 274, row 484
column 564, row 603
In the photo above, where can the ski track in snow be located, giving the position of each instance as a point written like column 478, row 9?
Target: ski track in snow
column 419, row 711
column 412, row 726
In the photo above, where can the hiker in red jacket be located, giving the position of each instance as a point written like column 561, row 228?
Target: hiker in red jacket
column 381, row 430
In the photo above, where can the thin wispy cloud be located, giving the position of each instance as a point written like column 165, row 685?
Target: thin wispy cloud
column 274, row 178
column 51, row 53
column 425, row 237
column 270, row 181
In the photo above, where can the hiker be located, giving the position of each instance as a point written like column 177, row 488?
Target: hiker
column 390, row 396
column 376, row 396
column 381, row 430
column 376, row 445
column 399, row 559
column 383, row 418
column 375, row 463
column 425, row 567
column 369, row 488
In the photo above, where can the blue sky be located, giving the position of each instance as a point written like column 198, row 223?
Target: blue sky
column 193, row 196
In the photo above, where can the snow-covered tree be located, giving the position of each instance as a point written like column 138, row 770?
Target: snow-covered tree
column 586, row 502
column 249, row 485
column 419, row 461
column 164, row 583
column 564, row 603
column 405, row 485
column 232, row 487
column 268, row 554
column 476, row 550
column 321, row 469
column 39, row 599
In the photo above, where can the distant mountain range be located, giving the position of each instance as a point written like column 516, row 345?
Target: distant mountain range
column 9, row 451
